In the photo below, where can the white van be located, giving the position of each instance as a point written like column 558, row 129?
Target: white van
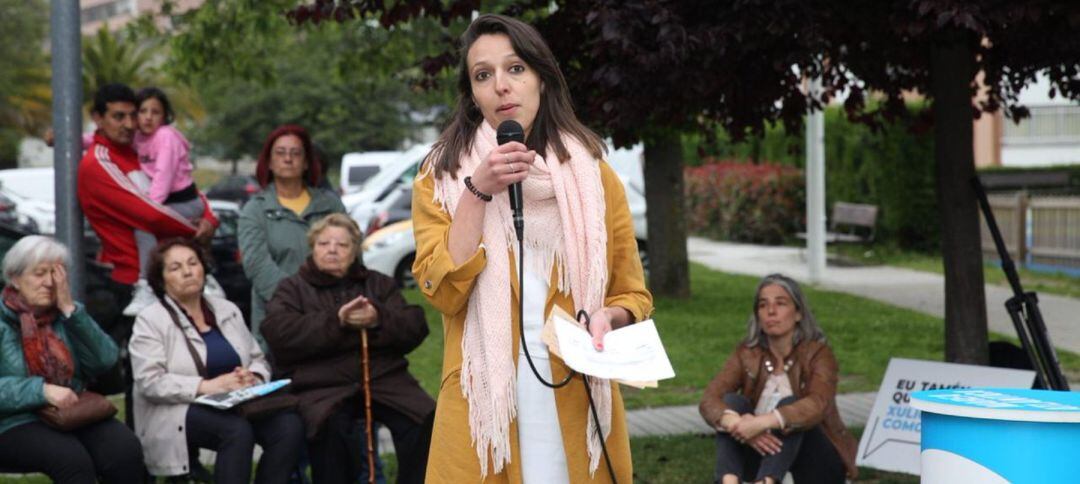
column 358, row 168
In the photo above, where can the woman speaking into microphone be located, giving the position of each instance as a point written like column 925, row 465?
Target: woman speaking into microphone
column 498, row 419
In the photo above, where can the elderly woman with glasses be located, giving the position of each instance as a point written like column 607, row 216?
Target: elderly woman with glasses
column 273, row 224
column 773, row 404
column 313, row 327
column 50, row 348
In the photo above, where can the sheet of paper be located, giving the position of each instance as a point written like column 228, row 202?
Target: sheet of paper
column 633, row 353
column 549, row 338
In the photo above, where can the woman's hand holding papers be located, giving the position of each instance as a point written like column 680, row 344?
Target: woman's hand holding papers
column 604, row 320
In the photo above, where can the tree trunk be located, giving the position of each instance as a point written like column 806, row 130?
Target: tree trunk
column 952, row 71
column 669, row 271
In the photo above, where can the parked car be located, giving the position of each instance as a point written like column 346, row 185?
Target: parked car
column 391, row 251
column 225, row 251
column 361, row 205
column 234, row 188
column 397, row 206
column 358, row 168
column 32, row 191
column 8, row 214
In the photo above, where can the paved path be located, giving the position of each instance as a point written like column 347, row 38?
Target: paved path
column 917, row 290
column 685, row 419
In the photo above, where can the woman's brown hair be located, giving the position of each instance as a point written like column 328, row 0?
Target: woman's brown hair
column 556, row 113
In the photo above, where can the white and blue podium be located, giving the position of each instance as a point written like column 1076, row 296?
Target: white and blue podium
column 999, row 435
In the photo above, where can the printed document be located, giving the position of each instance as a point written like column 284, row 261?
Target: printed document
column 632, row 353
column 227, row 400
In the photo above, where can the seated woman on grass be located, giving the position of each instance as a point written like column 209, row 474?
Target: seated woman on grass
column 773, row 404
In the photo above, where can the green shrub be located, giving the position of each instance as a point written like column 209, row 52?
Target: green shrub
column 745, row 202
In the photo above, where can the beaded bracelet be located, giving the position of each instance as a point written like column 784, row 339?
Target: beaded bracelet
column 472, row 188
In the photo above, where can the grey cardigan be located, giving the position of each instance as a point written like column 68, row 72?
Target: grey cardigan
column 273, row 242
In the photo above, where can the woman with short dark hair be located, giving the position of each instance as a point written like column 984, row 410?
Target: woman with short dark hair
column 167, row 338
column 50, row 348
column 773, row 404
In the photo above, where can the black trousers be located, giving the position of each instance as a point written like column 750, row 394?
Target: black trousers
column 339, row 449
column 233, row 437
column 107, row 450
column 808, row 455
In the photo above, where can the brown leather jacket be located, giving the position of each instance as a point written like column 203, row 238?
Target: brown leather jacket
column 813, row 375
column 311, row 346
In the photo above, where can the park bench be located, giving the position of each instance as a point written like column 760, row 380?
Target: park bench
column 850, row 223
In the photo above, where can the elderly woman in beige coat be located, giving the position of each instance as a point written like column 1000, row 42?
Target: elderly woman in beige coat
column 167, row 379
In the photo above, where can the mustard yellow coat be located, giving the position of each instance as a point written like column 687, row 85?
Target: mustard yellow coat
column 453, row 458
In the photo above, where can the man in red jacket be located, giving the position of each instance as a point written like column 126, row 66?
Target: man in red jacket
column 111, row 189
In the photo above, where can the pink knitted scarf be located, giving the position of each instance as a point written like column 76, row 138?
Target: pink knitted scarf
column 564, row 231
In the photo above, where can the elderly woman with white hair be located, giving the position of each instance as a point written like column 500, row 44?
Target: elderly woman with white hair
column 50, row 348
column 773, row 404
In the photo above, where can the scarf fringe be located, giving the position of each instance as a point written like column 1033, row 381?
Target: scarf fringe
column 494, row 439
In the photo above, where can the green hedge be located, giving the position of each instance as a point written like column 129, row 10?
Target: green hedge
column 892, row 168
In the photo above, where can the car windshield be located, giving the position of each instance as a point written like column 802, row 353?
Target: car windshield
column 359, row 174
column 388, row 175
column 410, row 174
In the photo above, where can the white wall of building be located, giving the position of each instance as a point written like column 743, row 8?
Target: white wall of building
column 1051, row 136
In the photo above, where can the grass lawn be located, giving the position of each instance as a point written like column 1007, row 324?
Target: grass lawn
column 699, row 334
column 1042, row 282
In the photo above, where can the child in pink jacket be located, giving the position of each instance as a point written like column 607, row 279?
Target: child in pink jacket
column 163, row 156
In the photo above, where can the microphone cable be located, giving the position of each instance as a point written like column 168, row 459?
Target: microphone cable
column 570, row 375
column 521, row 322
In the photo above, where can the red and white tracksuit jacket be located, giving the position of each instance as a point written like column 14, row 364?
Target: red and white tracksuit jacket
column 111, row 189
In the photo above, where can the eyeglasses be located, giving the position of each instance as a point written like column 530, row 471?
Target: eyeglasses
column 283, row 153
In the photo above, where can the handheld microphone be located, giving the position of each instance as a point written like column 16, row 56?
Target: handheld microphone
column 508, row 131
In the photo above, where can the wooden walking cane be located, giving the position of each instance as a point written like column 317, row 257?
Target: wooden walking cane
column 367, row 405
